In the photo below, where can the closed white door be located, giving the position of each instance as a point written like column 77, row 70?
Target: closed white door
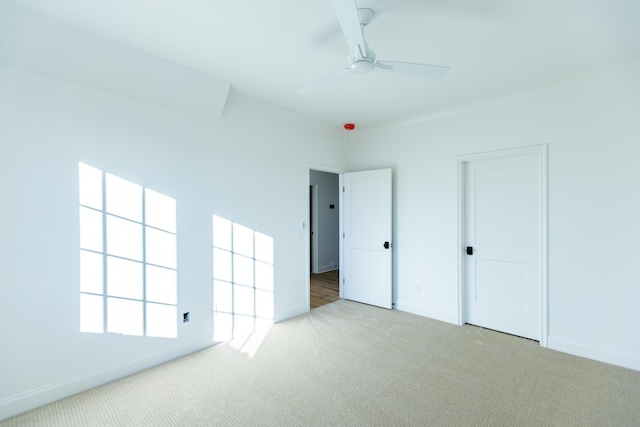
column 503, row 240
column 367, row 237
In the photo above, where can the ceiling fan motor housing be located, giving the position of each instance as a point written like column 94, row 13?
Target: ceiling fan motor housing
column 359, row 64
column 361, row 67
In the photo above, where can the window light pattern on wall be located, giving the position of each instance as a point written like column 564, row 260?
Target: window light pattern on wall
column 243, row 272
column 128, row 276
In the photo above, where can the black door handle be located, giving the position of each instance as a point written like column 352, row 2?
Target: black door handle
column 386, row 245
column 469, row 250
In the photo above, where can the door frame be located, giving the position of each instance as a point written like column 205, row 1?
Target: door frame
column 541, row 152
column 313, row 227
column 339, row 172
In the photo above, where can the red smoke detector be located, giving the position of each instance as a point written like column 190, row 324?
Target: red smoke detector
column 349, row 126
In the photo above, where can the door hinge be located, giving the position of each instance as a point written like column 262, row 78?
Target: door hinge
column 343, row 189
column 343, row 235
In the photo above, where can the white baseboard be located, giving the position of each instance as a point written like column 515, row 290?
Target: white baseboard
column 427, row 312
column 576, row 348
column 31, row 399
column 595, row 352
column 281, row 317
column 325, row 268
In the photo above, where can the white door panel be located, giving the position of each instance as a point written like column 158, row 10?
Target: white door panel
column 504, row 188
column 367, row 227
column 367, row 282
column 494, row 284
column 503, row 225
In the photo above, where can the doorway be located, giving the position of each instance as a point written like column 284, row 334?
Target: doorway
column 324, row 238
column 502, row 247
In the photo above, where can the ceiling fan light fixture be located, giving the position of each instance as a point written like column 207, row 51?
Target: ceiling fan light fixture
column 361, row 66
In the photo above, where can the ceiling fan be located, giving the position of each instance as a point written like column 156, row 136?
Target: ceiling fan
column 362, row 59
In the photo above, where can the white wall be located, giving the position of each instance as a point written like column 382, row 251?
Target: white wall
column 35, row 43
column 251, row 167
column 328, row 220
column 590, row 123
column 255, row 175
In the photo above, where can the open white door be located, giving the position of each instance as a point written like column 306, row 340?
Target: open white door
column 367, row 237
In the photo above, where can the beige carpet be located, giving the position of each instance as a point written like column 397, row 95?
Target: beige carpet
column 348, row 364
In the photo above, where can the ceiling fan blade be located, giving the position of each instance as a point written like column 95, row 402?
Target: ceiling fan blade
column 419, row 70
column 347, row 12
column 319, row 83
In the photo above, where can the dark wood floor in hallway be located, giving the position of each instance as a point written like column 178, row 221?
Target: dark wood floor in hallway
column 324, row 288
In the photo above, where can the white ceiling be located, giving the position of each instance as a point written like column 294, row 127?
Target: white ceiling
column 269, row 49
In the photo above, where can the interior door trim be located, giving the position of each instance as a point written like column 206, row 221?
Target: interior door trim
column 339, row 172
column 541, row 152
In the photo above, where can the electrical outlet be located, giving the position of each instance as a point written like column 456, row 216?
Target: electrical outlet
column 185, row 317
